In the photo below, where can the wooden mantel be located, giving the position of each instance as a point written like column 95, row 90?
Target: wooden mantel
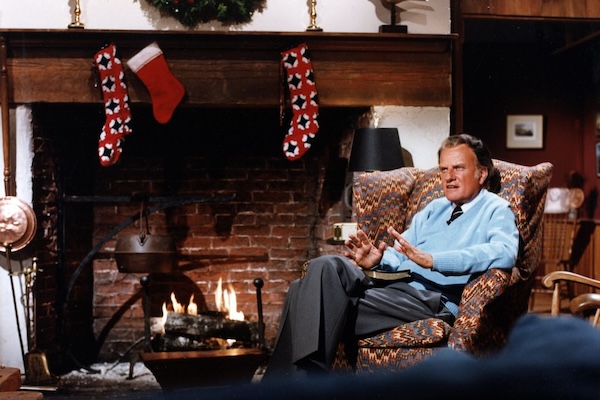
column 236, row 69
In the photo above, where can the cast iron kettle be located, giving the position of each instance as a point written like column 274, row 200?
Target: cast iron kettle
column 145, row 253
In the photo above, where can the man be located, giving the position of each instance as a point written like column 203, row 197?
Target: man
column 468, row 231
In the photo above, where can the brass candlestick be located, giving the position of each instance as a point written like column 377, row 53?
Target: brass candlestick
column 312, row 12
column 77, row 24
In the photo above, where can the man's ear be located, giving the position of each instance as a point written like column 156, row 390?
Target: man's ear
column 484, row 174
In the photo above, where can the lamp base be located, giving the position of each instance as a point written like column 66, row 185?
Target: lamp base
column 393, row 29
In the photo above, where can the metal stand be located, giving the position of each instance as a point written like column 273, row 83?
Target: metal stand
column 259, row 283
column 145, row 282
column 8, row 247
column 393, row 28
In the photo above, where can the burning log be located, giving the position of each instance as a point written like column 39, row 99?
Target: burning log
column 213, row 325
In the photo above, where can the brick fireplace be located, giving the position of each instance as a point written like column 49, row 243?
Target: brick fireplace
column 224, row 141
column 268, row 217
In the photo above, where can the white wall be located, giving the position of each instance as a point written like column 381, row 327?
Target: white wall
column 421, row 128
column 431, row 16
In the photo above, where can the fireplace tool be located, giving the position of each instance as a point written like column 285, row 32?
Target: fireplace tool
column 17, row 225
column 17, row 228
column 36, row 367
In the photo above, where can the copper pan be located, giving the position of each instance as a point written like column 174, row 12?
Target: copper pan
column 17, row 223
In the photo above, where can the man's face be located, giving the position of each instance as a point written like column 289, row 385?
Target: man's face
column 462, row 177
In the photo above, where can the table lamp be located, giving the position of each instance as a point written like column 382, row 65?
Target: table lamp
column 376, row 149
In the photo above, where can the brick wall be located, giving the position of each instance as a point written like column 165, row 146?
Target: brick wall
column 280, row 215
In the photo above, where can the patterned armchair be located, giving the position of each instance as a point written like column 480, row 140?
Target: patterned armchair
column 490, row 303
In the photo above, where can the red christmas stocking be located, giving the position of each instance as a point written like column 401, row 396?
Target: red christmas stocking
column 165, row 90
column 116, row 105
column 303, row 96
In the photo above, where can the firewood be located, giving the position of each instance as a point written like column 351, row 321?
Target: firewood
column 210, row 326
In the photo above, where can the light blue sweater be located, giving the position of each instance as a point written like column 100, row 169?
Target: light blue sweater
column 484, row 237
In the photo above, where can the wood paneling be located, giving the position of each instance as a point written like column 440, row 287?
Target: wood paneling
column 577, row 9
column 586, row 251
column 238, row 69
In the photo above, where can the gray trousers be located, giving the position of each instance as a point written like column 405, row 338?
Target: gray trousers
column 334, row 301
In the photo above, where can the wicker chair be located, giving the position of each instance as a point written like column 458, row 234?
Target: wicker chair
column 490, row 303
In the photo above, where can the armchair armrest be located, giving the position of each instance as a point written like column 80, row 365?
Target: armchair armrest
column 476, row 323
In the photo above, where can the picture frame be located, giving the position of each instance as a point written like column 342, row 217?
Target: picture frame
column 524, row 131
column 598, row 159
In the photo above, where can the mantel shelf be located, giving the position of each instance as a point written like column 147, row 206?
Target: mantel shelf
column 224, row 69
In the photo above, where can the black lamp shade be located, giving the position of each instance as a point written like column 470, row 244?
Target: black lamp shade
column 376, row 149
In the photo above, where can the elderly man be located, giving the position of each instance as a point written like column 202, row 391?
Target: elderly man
column 468, row 231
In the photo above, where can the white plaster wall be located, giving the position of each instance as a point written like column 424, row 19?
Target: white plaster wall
column 421, row 129
column 432, row 16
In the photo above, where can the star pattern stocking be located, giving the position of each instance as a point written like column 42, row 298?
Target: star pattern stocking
column 299, row 77
column 116, row 105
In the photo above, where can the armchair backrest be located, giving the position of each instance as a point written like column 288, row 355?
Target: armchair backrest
column 385, row 198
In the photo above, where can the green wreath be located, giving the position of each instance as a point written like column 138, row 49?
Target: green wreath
column 192, row 12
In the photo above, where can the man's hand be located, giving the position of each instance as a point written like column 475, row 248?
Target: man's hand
column 417, row 256
column 362, row 251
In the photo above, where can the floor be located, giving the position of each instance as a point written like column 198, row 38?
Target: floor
column 112, row 382
column 117, row 381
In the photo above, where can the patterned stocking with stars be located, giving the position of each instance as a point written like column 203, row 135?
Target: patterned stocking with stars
column 299, row 76
column 116, row 105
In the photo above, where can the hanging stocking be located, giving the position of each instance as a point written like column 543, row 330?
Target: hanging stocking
column 303, row 97
column 165, row 90
column 116, row 105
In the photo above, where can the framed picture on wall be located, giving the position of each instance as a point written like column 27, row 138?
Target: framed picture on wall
column 524, row 131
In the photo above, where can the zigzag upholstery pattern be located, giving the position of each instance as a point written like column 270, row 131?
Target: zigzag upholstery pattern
column 426, row 332
column 389, row 191
column 490, row 303
column 390, row 359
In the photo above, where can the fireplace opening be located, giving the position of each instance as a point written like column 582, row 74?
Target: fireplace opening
column 268, row 217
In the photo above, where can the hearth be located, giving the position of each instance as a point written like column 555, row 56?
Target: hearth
column 232, row 349
column 188, row 369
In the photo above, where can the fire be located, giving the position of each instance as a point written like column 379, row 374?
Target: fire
column 192, row 308
column 226, row 301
